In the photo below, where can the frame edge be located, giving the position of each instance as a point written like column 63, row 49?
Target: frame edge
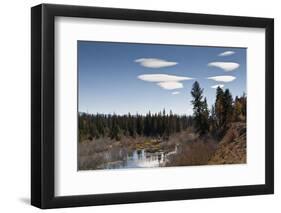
column 269, row 117
column 36, row 85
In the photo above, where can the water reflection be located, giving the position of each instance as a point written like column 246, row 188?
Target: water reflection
column 141, row 159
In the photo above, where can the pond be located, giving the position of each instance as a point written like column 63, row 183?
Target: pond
column 142, row 159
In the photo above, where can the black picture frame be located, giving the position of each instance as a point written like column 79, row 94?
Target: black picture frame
column 43, row 102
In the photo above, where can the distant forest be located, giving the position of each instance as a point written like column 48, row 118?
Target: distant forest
column 114, row 126
column 212, row 121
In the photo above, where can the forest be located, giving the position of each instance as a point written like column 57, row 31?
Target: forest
column 111, row 140
column 115, row 126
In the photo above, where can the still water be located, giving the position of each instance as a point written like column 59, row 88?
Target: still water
column 141, row 159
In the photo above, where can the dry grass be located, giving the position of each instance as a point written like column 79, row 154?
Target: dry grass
column 192, row 149
column 232, row 148
column 197, row 152
column 95, row 153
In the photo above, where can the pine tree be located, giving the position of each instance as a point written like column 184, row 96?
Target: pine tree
column 219, row 107
column 200, row 109
column 205, row 120
column 223, row 110
column 228, row 108
column 139, row 125
column 213, row 121
column 244, row 104
column 115, row 129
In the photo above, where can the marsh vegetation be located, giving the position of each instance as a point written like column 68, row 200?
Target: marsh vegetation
column 215, row 135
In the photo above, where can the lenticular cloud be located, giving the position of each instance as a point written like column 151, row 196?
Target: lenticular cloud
column 170, row 85
column 167, row 82
column 226, row 66
column 227, row 53
column 162, row 77
column 155, row 63
column 222, row 78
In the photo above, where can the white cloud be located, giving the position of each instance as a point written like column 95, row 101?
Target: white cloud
column 167, row 82
column 226, row 66
column 175, row 93
column 170, row 85
column 227, row 53
column 155, row 62
column 223, row 78
column 162, row 78
column 218, row 85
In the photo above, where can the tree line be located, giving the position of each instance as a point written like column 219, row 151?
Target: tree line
column 204, row 120
column 224, row 111
column 114, row 126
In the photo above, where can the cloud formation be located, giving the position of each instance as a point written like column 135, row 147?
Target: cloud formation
column 170, row 85
column 218, row 85
column 226, row 66
column 222, row 78
column 155, row 63
column 227, row 53
column 167, row 82
column 162, row 78
column 175, row 93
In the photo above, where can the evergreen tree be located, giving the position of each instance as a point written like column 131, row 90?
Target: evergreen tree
column 244, row 104
column 219, row 107
column 205, row 120
column 213, row 121
column 223, row 110
column 228, row 108
column 139, row 125
column 115, row 129
column 200, row 109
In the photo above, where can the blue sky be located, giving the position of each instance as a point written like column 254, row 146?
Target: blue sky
column 128, row 77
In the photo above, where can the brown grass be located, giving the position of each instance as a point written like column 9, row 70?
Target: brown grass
column 192, row 149
column 232, row 148
column 197, row 152
column 93, row 154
